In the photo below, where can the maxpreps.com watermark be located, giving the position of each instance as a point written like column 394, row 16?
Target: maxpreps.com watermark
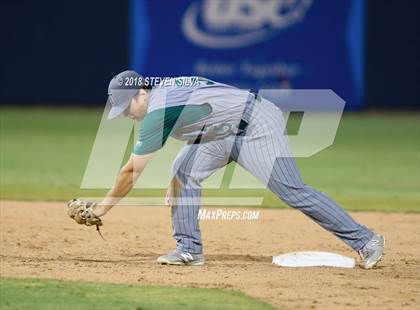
column 228, row 215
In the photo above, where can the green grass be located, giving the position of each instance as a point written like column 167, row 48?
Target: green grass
column 373, row 164
column 51, row 294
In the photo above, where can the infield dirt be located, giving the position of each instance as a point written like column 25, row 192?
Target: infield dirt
column 39, row 240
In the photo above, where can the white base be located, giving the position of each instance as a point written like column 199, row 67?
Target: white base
column 313, row 259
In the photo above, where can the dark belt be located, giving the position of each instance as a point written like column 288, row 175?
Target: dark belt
column 243, row 124
column 246, row 115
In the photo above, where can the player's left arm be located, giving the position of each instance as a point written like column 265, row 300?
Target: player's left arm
column 126, row 179
column 154, row 131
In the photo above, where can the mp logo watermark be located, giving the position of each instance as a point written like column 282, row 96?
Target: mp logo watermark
column 219, row 119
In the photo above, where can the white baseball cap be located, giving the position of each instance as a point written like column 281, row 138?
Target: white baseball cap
column 122, row 88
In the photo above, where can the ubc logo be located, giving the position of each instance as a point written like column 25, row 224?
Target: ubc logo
column 223, row 24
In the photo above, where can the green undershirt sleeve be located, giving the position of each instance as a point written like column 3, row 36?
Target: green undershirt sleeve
column 158, row 125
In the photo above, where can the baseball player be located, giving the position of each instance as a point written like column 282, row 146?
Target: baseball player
column 220, row 124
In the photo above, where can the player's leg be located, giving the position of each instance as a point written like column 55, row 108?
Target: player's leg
column 195, row 163
column 264, row 153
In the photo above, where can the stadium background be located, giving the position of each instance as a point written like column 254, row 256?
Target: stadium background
column 66, row 52
column 57, row 58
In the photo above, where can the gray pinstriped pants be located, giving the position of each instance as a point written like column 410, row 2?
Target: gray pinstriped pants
column 264, row 152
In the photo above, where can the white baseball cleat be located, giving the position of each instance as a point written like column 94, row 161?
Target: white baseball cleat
column 181, row 259
column 372, row 252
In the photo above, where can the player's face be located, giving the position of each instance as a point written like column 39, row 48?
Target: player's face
column 138, row 106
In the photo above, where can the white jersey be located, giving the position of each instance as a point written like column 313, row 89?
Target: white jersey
column 225, row 105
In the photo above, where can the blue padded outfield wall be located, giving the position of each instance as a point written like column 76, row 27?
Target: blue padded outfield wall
column 304, row 44
column 65, row 52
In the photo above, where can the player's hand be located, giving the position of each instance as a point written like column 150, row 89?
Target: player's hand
column 173, row 191
column 82, row 212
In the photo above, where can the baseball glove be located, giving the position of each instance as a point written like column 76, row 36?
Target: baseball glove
column 82, row 212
